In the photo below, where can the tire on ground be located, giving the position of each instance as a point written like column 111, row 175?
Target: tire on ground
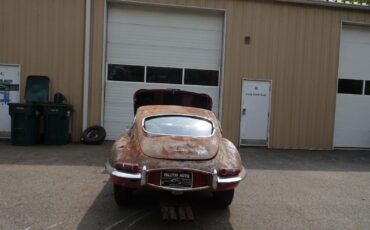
column 93, row 135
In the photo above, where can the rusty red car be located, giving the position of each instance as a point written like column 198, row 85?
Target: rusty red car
column 175, row 144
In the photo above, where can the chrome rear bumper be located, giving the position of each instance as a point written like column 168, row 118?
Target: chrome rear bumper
column 216, row 180
column 115, row 172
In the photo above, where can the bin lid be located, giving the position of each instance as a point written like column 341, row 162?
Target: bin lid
column 56, row 105
column 37, row 89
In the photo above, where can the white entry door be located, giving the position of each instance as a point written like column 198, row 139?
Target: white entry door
column 255, row 112
column 9, row 93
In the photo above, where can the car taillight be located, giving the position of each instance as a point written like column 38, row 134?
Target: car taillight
column 127, row 167
column 228, row 171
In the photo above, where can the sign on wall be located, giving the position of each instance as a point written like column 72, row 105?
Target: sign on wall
column 9, row 93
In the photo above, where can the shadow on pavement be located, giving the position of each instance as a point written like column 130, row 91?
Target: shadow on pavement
column 253, row 158
column 145, row 212
column 337, row 160
column 71, row 154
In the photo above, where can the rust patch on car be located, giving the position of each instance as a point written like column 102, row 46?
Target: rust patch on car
column 178, row 147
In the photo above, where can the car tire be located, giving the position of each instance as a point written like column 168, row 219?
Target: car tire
column 122, row 195
column 223, row 199
column 93, row 135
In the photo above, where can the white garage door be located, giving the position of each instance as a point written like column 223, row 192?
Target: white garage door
column 352, row 118
column 156, row 47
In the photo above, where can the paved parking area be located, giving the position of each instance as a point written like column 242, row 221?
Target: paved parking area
column 66, row 187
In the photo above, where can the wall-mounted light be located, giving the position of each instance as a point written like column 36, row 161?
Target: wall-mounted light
column 247, row 40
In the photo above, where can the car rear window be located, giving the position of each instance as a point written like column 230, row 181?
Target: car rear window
column 178, row 126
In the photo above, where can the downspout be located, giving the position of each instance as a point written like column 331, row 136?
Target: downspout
column 85, row 106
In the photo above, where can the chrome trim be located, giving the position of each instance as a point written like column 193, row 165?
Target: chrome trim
column 214, row 179
column 178, row 189
column 178, row 169
column 109, row 167
column 234, row 179
column 143, row 176
column 125, row 175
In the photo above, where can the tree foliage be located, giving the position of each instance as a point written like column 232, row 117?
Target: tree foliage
column 357, row 1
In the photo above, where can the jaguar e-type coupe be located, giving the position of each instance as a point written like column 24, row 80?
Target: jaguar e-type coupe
column 175, row 144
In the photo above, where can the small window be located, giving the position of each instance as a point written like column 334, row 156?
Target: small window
column 126, row 73
column 201, row 77
column 367, row 88
column 164, row 75
column 349, row 86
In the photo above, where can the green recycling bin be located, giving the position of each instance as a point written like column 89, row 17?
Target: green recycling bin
column 25, row 124
column 56, row 123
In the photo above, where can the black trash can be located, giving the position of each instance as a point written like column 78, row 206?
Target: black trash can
column 25, row 124
column 56, row 123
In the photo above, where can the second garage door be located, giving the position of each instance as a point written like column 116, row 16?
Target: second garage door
column 156, row 47
column 352, row 117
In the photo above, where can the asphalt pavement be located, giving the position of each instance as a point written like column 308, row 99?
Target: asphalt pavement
column 66, row 187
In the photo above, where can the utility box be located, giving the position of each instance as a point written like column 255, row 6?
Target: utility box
column 9, row 93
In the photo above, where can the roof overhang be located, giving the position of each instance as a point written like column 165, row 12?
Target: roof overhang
column 333, row 3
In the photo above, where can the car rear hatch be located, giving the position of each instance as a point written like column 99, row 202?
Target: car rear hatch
column 170, row 146
column 171, row 97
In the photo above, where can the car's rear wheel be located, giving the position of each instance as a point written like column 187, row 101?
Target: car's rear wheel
column 122, row 195
column 223, row 199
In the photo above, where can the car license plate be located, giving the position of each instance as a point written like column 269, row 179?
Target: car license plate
column 177, row 179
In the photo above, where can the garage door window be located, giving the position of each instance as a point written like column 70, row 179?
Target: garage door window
column 164, row 75
column 367, row 88
column 349, row 86
column 126, row 73
column 201, row 77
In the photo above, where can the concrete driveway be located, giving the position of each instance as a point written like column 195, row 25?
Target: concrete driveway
column 66, row 187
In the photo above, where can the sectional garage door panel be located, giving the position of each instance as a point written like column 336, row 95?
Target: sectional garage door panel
column 352, row 121
column 178, row 37
column 164, row 17
column 355, row 53
column 352, row 117
column 147, row 37
column 149, row 56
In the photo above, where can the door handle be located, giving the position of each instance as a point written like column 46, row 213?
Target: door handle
column 243, row 111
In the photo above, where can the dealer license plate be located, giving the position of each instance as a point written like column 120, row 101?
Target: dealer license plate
column 176, row 179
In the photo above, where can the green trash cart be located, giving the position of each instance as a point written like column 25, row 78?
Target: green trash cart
column 25, row 124
column 56, row 123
